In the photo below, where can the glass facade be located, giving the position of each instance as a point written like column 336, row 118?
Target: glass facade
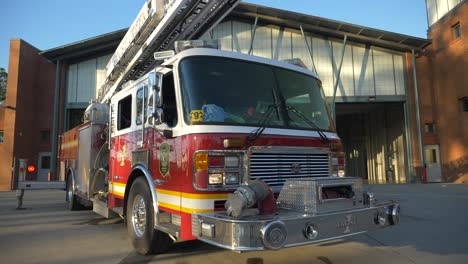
column 436, row 9
column 84, row 78
column 367, row 71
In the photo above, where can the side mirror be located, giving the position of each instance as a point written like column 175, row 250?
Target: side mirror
column 155, row 102
column 158, row 84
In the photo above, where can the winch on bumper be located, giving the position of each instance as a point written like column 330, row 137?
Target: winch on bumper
column 307, row 214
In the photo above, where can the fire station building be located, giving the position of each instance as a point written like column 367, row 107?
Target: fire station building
column 401, row 101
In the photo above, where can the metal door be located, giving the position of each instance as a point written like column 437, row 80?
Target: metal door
column 432, row 158
column 43, row 166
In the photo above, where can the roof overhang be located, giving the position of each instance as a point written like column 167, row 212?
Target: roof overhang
column 330, row 28
column 106, row 43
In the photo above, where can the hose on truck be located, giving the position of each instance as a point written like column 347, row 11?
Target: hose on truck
column 246, row 197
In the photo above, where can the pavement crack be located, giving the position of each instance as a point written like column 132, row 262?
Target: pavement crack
column 325, row 260
column 390, row 248
column 134, row 257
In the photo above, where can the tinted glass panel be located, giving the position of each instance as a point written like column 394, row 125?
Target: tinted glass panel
column 220, row 90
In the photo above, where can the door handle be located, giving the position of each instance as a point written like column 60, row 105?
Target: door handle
column 159, row 182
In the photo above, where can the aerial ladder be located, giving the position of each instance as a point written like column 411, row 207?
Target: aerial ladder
column 157, row 27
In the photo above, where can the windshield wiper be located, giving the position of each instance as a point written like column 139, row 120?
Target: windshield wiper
column 322, row 135
column 262, row 123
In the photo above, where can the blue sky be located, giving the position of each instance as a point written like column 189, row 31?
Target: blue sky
column 50, row 23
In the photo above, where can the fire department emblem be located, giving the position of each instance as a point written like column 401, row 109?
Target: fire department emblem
column 347, row 224
column 164, row 163
column 122, row 156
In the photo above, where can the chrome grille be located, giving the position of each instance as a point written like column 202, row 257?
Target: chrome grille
column 276, row 168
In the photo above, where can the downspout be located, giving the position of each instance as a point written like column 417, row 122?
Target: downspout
column 53, row 163
column 418, row 114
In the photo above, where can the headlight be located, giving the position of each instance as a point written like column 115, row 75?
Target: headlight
column 337, row 165
column 217, row 170
column 215, row 179
column 341, row 172
column 232, row 178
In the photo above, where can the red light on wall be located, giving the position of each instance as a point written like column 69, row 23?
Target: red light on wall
column 31, row 168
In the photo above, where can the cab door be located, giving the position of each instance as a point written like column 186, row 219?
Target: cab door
column 165, row 165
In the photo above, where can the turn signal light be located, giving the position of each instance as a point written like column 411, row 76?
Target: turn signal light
column 201, row 161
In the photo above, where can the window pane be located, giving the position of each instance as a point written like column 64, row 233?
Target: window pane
column 431, row 155
column 125, row 113
column 302, row 93
column 457, row 31
column 140, row 105
column 383, row 71
column 1, row 136
column 45, row 162
column 212, row 87
column 363, row 71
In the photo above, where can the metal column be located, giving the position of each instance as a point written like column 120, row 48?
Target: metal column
column 309, row 49
column 338, row 77
column 252, row 39
column 55, row 124
column 418, row 114
column 409, row 136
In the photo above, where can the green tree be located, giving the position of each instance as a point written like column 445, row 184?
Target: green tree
column 3, row 83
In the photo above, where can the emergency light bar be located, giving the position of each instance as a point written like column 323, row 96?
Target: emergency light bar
column 191, row 44
column 296, row 61
column 163, row 55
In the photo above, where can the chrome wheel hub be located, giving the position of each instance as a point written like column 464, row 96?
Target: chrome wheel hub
column 70, row 194
column 139, row 215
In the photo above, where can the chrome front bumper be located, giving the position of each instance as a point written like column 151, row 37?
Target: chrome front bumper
column 289, row 228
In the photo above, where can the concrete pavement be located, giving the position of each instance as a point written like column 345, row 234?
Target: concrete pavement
column 433, row 229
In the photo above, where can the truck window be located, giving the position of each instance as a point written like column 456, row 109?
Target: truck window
column 141, row 105
column 169, row 100
column 236, row 92
column 124, row 113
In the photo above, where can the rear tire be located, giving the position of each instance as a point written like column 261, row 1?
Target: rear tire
column 140, row 221
column 72, row 200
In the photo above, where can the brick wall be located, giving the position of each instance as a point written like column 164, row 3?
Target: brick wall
column 443, row 80
column 30, row 92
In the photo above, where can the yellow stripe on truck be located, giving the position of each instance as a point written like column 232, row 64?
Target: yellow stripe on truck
column 178, row 201
column 208, row 196
column 70, row 144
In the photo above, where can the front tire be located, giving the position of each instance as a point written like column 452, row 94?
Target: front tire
column 140, row 221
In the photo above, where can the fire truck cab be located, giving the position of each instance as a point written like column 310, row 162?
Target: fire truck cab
column 171, row 147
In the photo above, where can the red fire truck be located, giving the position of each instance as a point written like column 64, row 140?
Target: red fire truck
column 235, row 150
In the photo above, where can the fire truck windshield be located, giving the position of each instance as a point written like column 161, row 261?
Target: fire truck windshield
column 227, row 91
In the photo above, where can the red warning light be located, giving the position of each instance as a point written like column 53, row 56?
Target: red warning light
column 31, row 168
